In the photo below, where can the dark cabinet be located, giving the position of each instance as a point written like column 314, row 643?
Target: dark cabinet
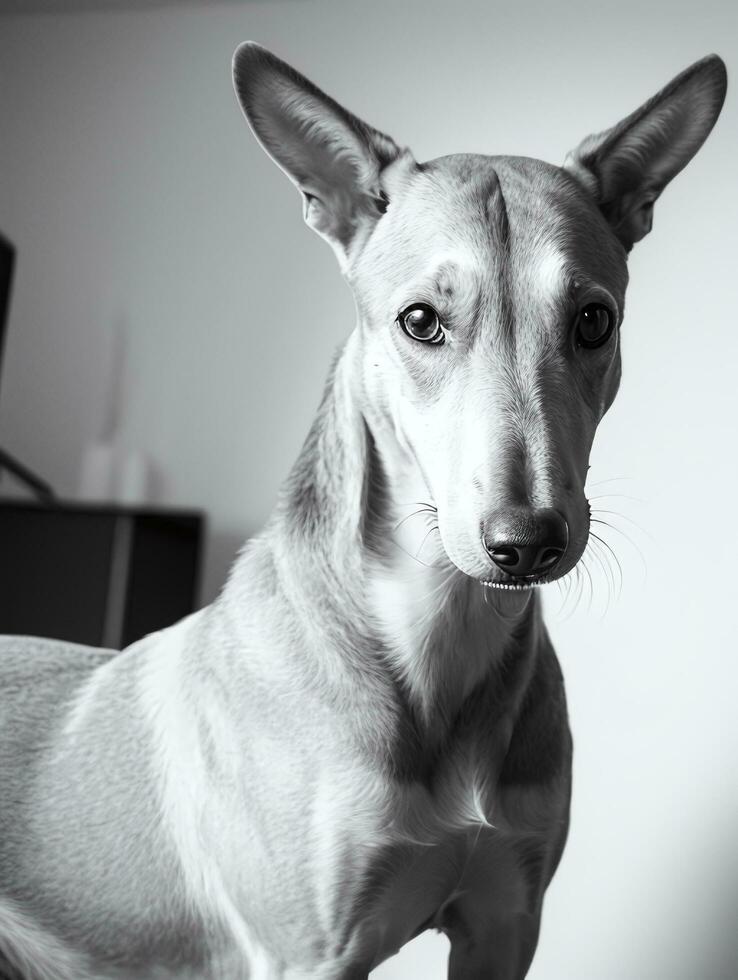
column 94, row 574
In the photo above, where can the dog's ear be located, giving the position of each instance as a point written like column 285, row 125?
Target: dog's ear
column 335, row 159
column 628, row 166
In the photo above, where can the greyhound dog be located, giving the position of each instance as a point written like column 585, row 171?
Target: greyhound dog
column 365, row 735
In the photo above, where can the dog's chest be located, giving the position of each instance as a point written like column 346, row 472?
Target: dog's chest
column 385, row 858
column 413, row 871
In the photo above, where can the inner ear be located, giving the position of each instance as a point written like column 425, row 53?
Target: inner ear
column 632, row 216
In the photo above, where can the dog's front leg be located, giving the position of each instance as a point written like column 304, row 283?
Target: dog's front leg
column 502, row 951
column 492, row 919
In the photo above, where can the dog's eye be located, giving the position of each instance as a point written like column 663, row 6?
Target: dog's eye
column 594, row 324
column 421, row 322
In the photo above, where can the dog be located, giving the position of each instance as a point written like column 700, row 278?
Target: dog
column 365, row 736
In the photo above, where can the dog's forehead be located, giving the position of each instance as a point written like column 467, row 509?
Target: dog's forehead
column 469, row 218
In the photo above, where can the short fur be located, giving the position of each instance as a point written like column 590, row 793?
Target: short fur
column 364, row 736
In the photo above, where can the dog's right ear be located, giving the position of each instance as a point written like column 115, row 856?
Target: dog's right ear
column 335, row 159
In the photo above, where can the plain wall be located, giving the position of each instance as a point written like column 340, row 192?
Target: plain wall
column 138, row 198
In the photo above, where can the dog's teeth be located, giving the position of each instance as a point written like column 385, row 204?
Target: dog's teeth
column 512, row 586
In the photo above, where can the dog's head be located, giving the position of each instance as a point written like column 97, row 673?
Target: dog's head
column 490, row 293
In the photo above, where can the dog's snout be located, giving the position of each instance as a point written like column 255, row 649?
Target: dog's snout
column 525, row 542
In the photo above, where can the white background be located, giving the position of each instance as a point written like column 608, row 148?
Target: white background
column 137, row 197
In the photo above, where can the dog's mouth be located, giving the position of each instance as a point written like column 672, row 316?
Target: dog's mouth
column 513, row 586
column 518, row 585
column 526, row 583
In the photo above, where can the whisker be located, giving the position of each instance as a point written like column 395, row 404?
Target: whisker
column 425, row 564
column 560, row 584
column 600, row 555
column 630, row 541
column 434, row 527
column 427, row 534
column 419, row 503
column 580, row 593
column 574, row 578
column 591, row 584
column 615, row 557
column 422, row 510
column 618, row 496
column 603, row 575
column 612, row 479
column 564, row 593
column 615, row 513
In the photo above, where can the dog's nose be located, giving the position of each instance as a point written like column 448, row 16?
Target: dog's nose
column 525, row 542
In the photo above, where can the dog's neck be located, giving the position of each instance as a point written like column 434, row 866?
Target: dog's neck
column 333, row 535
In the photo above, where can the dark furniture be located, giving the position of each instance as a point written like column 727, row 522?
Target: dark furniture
column 97, row 574
column 7, row 462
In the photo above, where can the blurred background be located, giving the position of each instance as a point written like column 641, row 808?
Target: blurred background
column 169, row 302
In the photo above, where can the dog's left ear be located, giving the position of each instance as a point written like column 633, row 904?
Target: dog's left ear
column 628, row 166
column 334, row 158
